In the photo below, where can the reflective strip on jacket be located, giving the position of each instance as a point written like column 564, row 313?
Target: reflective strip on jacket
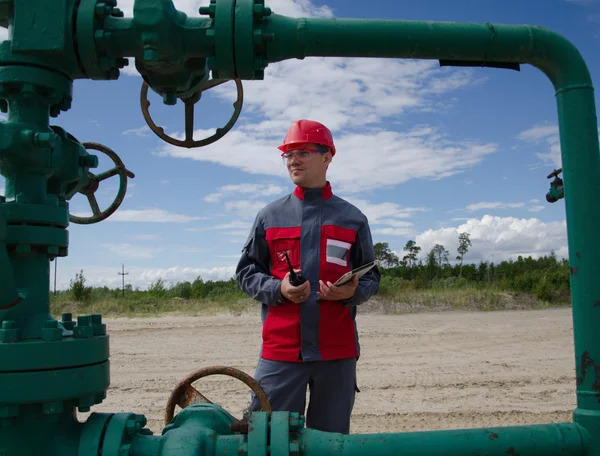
column 325, row 237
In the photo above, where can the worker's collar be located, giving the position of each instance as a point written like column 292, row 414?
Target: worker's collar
column 314, row 193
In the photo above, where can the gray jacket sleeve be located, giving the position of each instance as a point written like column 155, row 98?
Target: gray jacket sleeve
column 252, row 272
column 363, row 252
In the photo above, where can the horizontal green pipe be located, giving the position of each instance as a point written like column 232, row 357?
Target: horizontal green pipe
column 562, row 439
column 478, row 42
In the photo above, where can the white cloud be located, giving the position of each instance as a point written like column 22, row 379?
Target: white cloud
column 140, row 277
column 142, row 131
column 387, row 218
column 493, row 205
column 500, row 238
column 549, row 135
column 536, row 208
column 151, row 215
column 133, row 250
column 233, row 225
column 364, row 161
column 247, row 190
column 245, row 208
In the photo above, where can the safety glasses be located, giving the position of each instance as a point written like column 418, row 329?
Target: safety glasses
column 303, row 154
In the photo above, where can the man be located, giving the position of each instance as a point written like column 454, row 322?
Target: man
column 309, row 331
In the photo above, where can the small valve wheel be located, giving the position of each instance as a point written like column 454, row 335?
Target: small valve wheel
column 185, row 394
column 189, row 103
column 94, row 183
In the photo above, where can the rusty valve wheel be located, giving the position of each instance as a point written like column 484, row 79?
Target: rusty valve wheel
column 185, row 394
column 189, row 103
column 94, row 183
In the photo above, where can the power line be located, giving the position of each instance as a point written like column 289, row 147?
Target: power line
column 123, row 273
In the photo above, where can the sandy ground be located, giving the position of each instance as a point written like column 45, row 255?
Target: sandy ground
column 447, row 370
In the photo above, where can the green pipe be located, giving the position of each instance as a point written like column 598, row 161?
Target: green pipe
column 478, row 45
column 475, row 42
column 543, row 440
column 8, row 293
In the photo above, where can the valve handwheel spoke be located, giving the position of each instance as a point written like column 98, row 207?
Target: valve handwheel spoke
column 189, row 141
column 94, row 204
column 94, row 182
column 184, row 394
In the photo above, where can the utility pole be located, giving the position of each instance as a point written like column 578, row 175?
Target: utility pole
column 55, row 265
column 123, row 273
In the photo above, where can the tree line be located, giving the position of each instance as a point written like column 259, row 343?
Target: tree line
column 546, row 276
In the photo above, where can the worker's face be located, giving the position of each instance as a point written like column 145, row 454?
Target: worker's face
column 307, row 166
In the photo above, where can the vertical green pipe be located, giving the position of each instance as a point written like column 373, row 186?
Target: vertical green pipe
column 26, row 172
column 581, row 170
column 479, row 44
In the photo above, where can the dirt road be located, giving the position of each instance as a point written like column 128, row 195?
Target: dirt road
column 417, row 372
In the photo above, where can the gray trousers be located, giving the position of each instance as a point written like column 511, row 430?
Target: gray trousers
column 332, row 386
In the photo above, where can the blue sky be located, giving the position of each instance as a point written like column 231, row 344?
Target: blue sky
column 425, row 152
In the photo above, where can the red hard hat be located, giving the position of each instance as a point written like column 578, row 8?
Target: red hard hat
column 308, row 131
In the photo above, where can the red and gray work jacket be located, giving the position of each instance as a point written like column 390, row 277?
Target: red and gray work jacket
column 325, row 237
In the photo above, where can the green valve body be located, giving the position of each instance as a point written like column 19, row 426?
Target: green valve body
column 51, row 368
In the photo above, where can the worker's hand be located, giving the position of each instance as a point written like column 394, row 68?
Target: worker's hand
column 329, row 292
column 294, row 294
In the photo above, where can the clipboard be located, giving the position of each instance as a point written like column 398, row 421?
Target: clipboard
column 360, row 271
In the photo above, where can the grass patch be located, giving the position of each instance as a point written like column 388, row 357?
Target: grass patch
column 391, row 302
column 152, row 307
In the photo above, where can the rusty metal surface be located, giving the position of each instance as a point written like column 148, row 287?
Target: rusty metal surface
column 184, row 394
column 189, row 141
column 94, row 183
column 191, row 396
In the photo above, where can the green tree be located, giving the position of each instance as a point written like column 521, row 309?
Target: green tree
column 413, row 250
column 440, row 254
column 79, row 290
column 464, row 242
column 384, row 255
column 157, row 289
